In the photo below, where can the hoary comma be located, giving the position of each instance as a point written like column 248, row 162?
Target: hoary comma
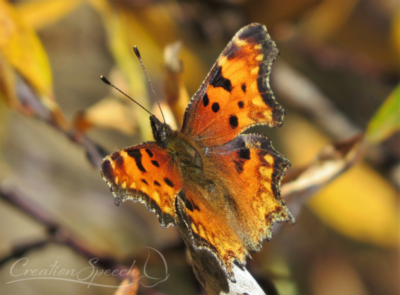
column 228, row 181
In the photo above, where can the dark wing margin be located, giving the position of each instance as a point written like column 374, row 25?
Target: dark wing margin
column 236, row 93
column 144, row 173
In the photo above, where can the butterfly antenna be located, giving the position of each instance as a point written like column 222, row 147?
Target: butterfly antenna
column 136, row 50
column 105, row 80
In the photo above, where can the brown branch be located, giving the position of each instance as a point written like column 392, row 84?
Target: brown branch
column 332, row 161
column 34, row 107
column 56, row 233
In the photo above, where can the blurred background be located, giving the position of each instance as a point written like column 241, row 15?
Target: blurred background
column 337, row 76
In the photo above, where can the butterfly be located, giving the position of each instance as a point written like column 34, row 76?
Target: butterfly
column 224, row 185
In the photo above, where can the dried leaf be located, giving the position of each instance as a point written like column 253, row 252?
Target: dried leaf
column 386, row 120
column 330, row 162
column 42, row 13
column 360, row 204
column 109, row 113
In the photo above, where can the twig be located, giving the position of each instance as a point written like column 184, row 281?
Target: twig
column 333, row 160
column 28, row 98
column 56, row 233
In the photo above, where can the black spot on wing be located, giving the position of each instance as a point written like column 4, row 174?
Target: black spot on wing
column 156, row 183
column 195, row 206
column 155, row 163
column 119, row 161
column 244, row 88
column 238, row 165
column 188, row 204
column 206, row 100
column 149, row 153
column 244, row 154
column 168, row 182
column 107, row 170
column 241, row 104
column 144, row 181
column 233, row 121
column 219, row 81
column 215, row 107
column 137, row 156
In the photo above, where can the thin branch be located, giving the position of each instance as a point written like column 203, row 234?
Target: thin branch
column 56, row 233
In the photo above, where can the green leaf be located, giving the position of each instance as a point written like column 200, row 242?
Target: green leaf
column 386, row 120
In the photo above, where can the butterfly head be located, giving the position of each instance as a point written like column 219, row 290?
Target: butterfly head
column 161, row 131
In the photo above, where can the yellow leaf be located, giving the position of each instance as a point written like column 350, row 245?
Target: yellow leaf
column 22, row 48
column 359, row 204
column 362, row 205
column 117, row 30
column 386, row 121
column 39, row 14
column 142, row 27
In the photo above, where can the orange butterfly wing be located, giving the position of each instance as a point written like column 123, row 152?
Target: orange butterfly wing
column 228, row 184
column 145, row 173
column 236, row 93
column 252, row 171
column 236, row 215
column 239, row 214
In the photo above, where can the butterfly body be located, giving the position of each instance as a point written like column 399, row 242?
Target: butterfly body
column 223, row 185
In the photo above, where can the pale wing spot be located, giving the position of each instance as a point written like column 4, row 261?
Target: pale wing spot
column 156, row 197
column 268, row 115
column 259, row 46
column 201, row 230
column 266, row 184
column 269, row 159
column 116, row 180
column 123, row 185
column 194, row 228
column 144, row 189
column 240, row 42
column 265, row 172
column 133, row 185
column 260, row 57
column 168, row 210
column 255, row 71
column 257, row 101
column 222, row 61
